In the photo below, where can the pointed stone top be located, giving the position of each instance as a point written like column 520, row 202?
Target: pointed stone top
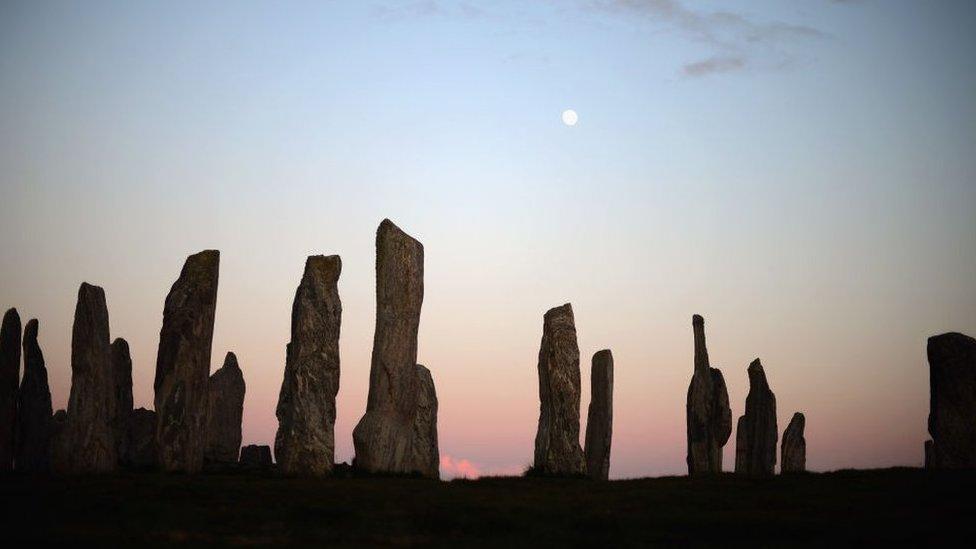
column 697, row 320
column 201, row 261
column 388, row 229
column 563, row 310
column 757, row 376
column 30, row 330
column 330, row 266
column 11, row 315
column 230, row 361
column 87, row 289
column 798, row 419
column 121, row 344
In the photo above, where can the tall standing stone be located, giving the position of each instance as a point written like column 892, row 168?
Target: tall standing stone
column 122, row 376
column 709, row 416
column 599, row 419
column 305, row 442
column 183, row 364
column 756, row 433
column 952, row 405
column 225, row 410
column 557, row 448
column 88, row 440
column 33, row 408
column 386, row 438
column 9, row 378
column 793, row 453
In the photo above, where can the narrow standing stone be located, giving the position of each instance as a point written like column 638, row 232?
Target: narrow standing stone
column 756, row 432
column 952, row 406
column 386, row 438
column 9, row 378
column 225, row 412
column 709, row 416
column 33, row 408
column 89, row 437
column 183, row 364
column 305, row 442
column 794, row 449
column 557, row 448
column 599, row 419
column 122, row 376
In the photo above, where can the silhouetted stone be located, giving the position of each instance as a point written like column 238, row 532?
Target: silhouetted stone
column 599, row 419
column 305, row 442
column 952, row 406
column 140, row 440
column 224, row 412
column 58, row 421
column 256, row 457
column 793, row 453
column 88, row 441
column 426, row 453
column 9, row 379
column 33, row 437
column 709, row 417
column 389, row 437
column 756, row 432
column 929, row 457
column 557, row 448
column 183, row 364
column 122, row 376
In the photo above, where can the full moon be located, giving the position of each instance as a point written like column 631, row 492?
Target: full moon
column 570, row 118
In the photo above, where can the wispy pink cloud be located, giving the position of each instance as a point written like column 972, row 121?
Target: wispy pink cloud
column 452, row 467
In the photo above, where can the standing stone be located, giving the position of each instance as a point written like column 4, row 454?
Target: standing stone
column 305, row 442
column 88, row 441
column 794, row 449
column 58, row 421
column 33, row 408
column 9, row 379
column 183, row 364
column 756, row 432
column 426, row 452
column 599, row 419
column 557, row 448
column 952, row 406
column 224, row 412
column 709, row 416
column 388, row 437
column 140, row 440
column 122, row 376
column 256, row 457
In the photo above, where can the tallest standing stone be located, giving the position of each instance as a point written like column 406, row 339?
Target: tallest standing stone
column 9, row 378
column 183, row 364
column 708, row 413
column 398, row 433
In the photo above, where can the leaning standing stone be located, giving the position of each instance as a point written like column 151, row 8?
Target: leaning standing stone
column 952, row 407
column 183, row 364
column 225, row 411
column 756, row 432
column 122, row 375
column 599, row 419
column 709, row 417
column 33, row 408
column 9, row 378
column 794, row 450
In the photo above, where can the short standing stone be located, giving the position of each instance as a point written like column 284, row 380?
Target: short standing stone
column 9, row 378
column 140, row 440
column 557, row 448
column 952, row 407
column 599, row 419
column 89, row 437
column 756, row 432
column 224, row 412
column 794, row 449
column 183, row 364
column 305, row 441
column 256, row 457
column 33, row 408
column 709, row 416
column 122, row 375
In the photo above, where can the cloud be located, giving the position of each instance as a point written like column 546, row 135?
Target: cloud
column 714, row 64
column 452, row 467
column 428, row 8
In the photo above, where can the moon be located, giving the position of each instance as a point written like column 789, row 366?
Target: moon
column 570, row 118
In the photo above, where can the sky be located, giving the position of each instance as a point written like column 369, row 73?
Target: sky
column 802, row 173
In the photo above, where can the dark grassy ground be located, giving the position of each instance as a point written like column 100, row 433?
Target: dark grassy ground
column 893, row 505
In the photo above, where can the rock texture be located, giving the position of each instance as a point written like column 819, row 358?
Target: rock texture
column 89, row 437
column 140, row 440
column 225, row 411
column 756, row 433
column 58, row 421
column 599, row 419
column 387, row 438
column 305, row 442
column 256, row 457
column 33, row 408
column 9, row 378
column 183, row 364
column 709, row 416
column 557, row 449
column 952, row 405
column 793, row 453
column 122, row 376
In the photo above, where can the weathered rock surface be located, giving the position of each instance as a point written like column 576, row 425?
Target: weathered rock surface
column 140, row 440
column 387, row 437
column 256, row 457
column 224, row 412
column 305, row 442
column 756, row 433
column 58, row 421
column 9, row 379
column 952, row 405
column 793, row 453
column 89, row 437
column 33, row 408
column 426, row 452
column 122, row 376
column 709, row 416
column 599, row 419
column 183, row 364
column 557, row 448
